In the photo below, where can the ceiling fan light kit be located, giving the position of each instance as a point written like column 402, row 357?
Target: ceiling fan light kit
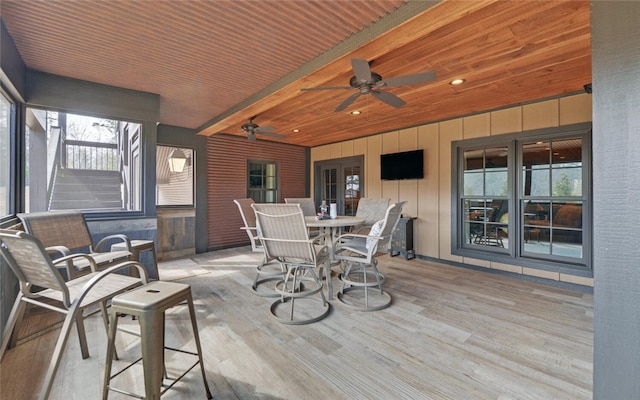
column 366, row 81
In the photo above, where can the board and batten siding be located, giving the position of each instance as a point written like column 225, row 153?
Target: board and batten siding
column 429, row 199
column 227, row 157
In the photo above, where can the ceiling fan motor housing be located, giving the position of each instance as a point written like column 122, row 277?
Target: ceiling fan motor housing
column 249, row 127
column 354, row 82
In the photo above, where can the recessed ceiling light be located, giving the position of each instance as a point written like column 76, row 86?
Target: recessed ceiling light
column 355, row 112
column 295, row 130
column 459, row 81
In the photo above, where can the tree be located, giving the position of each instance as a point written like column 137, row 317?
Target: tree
column 563, row 186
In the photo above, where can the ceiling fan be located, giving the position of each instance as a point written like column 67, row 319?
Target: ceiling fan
column 251, row 128
column 366, row 81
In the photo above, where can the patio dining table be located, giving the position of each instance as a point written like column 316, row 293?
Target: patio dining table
column 332, row 226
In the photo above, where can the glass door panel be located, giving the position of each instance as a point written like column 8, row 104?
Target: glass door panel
column 351, row 189
column 341, row 182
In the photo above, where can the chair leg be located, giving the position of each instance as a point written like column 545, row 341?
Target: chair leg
column 361, row 281
column 72, row 316
column 82, row 335
column 327, row 269
column 264, row 276
column 111, row 346
column 295, row 273
column 10, row 334
column 105, row 321
column 378, row 275
column 196, row 337
column 292, row 289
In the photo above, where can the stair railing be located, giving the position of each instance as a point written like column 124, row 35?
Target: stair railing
column 53, row 160
column 97, row 156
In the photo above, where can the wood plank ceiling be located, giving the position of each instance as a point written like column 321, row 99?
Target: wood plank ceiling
column 217, row 63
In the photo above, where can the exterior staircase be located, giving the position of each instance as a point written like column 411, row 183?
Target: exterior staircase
column 83, row 189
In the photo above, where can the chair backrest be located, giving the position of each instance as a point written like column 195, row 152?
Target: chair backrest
column 306, row 203
column 246, row 212
column 31, row 263
column 283, row 231
column 249, row 220
column 372, row 209
column 392, row 216
column 55, row 228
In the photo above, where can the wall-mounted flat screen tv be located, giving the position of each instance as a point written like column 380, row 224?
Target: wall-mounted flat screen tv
column 403, row 165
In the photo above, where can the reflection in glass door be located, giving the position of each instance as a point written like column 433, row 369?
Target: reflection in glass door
column 340, row 181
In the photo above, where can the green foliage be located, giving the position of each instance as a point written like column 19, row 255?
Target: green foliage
column 563, row 186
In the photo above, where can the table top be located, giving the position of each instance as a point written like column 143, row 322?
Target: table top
column 340, row 220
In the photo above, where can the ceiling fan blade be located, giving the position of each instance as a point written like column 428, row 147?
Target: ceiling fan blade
column 361, row 69
column 413, row 79
column 348, row 101
column 389, row 98
column 272, row 134
column 327, row 88
column 261, row 129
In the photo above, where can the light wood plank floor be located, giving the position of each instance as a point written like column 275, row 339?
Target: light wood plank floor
column 450, row 333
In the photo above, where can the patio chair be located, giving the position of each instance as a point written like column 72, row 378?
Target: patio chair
column 41, row 284
column 308, row 209
column 265, row 272
column 66, row 232
column 361, row 280
column 283, row 233
column 306, row 203
column 371, row 210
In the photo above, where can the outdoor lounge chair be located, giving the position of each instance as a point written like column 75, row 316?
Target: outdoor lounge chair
column 41, row 284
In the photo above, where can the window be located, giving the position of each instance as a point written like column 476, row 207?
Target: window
column 262, row 181
column 174, row 187
column 524, row 198
column 5, row 155
column 91, row 163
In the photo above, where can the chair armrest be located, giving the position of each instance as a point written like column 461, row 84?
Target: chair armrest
column 349, row 243
column 60, row 250
column 106, row 239
column 320, row 239
column 358, row 229
column 68, row 264
column 350, row 236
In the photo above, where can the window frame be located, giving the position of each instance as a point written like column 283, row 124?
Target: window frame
column 142, row 135
column 163, row 175
column 515, row 254
column 14, row 190
column 250, row 189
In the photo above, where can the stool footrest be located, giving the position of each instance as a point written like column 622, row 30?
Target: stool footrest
column 165, row 387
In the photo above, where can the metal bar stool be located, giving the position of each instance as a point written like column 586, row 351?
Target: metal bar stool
column 148, row 304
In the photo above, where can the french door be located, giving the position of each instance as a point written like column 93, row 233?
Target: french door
column 340, row 181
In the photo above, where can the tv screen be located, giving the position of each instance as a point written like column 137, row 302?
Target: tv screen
column 404, row 165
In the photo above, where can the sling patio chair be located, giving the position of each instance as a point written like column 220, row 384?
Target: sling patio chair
column 371, row 210
column 41, row 284
column 308, row 209
column 66, row 231
column 283, row 233
column 361, row 281
column 265, row 272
